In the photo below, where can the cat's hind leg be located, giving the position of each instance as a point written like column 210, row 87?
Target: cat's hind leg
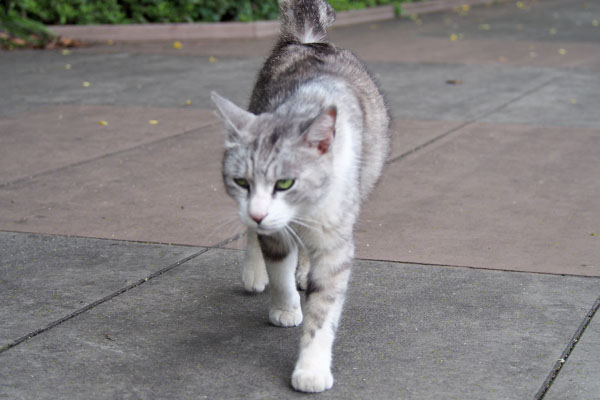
column 302, row 270
column 254, row 272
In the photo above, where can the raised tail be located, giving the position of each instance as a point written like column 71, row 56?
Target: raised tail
column 305, row 21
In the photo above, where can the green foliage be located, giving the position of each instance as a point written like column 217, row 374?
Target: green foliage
column 84, row 12
column 25, row 19
column 344, row 5
column 26, row 31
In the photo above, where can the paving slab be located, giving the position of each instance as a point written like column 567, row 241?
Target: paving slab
column 502, row 33
column 43, row 278
column 35, row 78
column 540, row 21
column 514, row 197
column 580, row 377
column 59, row 136
column 168, row 191
column 407, row 331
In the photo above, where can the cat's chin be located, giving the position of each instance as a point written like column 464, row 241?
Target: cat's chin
column 266, row 231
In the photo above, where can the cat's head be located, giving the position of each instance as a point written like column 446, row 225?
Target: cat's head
column 277, row 165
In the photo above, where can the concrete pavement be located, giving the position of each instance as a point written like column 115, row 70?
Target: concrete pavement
column 479, row 252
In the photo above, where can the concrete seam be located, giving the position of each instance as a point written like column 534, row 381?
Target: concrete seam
column 102, row 156
column 116, row 293
column 471, row 121
column 567, row 352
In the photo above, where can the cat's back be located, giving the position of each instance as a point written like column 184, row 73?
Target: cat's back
column 293, row 64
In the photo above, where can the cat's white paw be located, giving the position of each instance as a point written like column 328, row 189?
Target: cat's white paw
column 312, row 380
column 255, row 279
column 285, row 318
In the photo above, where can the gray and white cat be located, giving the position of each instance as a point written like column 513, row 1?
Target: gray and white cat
column 299, row 163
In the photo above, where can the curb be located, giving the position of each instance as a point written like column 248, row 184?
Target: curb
column 430, row 6
column 216, row 30
column 240, row 30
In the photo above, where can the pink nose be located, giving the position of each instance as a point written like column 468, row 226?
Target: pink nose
column 257, row 218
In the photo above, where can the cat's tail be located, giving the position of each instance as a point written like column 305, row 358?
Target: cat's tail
column 305, row 21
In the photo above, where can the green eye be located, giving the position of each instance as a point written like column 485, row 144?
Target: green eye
column 241, row 182
column 284, row 184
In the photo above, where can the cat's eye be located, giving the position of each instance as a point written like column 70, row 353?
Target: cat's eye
column 284, row 184
column 242, row 182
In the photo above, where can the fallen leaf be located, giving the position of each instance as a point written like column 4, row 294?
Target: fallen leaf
column 485, row 27
column 562, row 52
column 67, row 66
column 66, row 52
column 573, row 101
column 212, row 59
column 102, row 123
column 177, row 44
column 552, row 31
column 454, row 37
column 153, row 122
column 595, row 23
column 110, row 42
column 87, row 84
column 454, row 82
column 188, row 102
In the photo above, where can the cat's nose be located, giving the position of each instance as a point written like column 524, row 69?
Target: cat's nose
column 258, row 217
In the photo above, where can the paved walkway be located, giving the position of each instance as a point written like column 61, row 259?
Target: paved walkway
column 479, row 253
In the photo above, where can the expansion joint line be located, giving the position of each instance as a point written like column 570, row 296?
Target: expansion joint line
column 103, row 156
column 117, row 293
column 472, row 121
column 565, row 354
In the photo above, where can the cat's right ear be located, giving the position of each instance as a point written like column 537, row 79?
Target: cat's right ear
column 236, row 119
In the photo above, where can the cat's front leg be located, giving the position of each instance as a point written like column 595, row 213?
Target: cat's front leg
column 281, row 261
column 254, row 271
column 327, row 283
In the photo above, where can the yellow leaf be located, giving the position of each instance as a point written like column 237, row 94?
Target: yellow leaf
column 562, row 52
column 110, row 42
column 102, row 123
column 212, row 59
column 188, row 102
column 573, row 101
column 177, row 44
column 153, row 122
column 86, row 84
column 454, row 37
column 520, row 5
column 552, row 31
column 67, row 66
column 595, row 23
column 66, row 52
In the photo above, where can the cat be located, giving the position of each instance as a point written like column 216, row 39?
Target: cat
column 299, row 163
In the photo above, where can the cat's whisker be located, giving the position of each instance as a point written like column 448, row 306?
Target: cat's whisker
column 295, row 236
column 314, row 228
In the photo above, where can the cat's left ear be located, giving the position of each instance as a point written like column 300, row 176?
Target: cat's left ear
column 321, row 132
column 236, row 119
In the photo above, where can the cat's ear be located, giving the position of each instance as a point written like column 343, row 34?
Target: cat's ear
column 321, row 132
column 236, row 119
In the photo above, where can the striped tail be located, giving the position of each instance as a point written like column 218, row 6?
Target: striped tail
column 305, row 21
